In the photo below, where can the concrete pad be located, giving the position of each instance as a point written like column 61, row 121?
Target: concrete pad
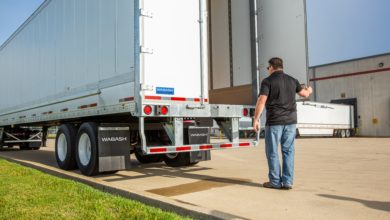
column 334, row 179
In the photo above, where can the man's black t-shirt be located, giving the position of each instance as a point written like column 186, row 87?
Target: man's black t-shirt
column 280, row 89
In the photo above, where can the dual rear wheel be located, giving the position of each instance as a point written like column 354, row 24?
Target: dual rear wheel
column 78, row 148
column 84, row 155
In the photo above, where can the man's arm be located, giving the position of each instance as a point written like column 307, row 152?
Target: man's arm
column 259, row 109
column 305, row 92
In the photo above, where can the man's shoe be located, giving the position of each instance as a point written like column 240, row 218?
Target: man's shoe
column 270, row 186
column 287, row 187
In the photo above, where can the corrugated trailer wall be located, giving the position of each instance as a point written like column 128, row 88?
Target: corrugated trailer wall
column 53, row 56
column 365, row 79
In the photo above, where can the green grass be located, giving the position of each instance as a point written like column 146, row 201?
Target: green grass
column 30, row 194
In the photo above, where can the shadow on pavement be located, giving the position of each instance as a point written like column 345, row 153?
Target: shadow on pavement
column 186, row 172
column 383, row 206
column 47, row 158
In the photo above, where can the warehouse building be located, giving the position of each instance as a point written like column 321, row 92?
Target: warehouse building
column 364, row 83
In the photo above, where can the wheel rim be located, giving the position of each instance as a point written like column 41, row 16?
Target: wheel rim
column 172, row 155
column 84, row 149
column 62, row 147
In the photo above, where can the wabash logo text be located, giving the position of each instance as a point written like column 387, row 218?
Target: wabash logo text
column 114, row 139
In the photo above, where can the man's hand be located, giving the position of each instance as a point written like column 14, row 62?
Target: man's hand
column 306, row 91
column 310, row 89
column 256, row 125
column 259, row 109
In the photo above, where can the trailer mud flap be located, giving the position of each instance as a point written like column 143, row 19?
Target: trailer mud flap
column 114, row 151
column 199, row 135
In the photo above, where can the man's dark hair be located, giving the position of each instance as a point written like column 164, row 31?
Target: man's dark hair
column 276, row 63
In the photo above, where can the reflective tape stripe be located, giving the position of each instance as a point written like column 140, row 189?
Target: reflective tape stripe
column 153, row 97
column 206, row 147
column 180, row 99
column 176, row 99
column 203, row 147
column 88, row 106
column 127, row 99
column 226, row 145
column 187, row 148
column 245, row 144
column 158, row 150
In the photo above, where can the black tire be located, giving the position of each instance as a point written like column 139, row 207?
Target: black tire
column 353, row 132
column 88, row 166
column 178, row 160
column 193, row 163
column 35, row 145
column 69, row 161
column 145, row 159
column 24, row 146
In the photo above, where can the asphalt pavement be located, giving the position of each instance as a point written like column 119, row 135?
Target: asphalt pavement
column 334, row 179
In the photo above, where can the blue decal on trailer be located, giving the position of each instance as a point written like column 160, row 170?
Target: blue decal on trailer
column 165, row 91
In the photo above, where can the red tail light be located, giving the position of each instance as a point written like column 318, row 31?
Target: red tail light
column 148, row 109
column 245, row 112
column 164, row 110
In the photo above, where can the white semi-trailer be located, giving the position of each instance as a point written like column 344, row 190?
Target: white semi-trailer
column 113, row 74
column 325, row 120
column 314, row 119
column 132, row 76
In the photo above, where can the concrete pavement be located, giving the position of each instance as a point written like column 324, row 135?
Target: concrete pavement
column 335, row 179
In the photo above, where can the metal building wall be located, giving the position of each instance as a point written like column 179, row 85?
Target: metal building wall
column 367, row 80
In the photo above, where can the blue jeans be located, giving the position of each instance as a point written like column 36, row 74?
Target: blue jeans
column 285, row 135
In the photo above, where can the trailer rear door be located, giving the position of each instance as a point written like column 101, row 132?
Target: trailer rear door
column 171, row 49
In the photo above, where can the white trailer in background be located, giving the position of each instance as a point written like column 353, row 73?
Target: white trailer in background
column 324, row 119
column 314, row 120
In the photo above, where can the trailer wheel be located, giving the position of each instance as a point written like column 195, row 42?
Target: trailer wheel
column 148, row 158
column 342, row 134
column 35, row 145
column 353, row 132
column 65, row 147
column 24, row 146
column 87, row 149
column 30, row 146
column 348, row 133
column 178, row 159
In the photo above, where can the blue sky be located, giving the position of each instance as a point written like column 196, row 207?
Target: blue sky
column 337, row 29
column 346, row 29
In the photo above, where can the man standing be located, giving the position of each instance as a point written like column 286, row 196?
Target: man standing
column 277, row 94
